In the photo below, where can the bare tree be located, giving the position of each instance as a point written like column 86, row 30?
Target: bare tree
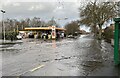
column 72, row 27
column 96, row 14
column 52, row 22
column 118, row 8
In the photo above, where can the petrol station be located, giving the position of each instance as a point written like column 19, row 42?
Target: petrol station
column 51, row 30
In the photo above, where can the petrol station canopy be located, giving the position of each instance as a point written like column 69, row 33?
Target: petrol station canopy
column 44, row 28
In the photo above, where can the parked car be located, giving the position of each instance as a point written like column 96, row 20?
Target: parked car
column 70, row 36
column 19, row 37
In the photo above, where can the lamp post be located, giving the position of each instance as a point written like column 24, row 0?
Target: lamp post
column 3, row 26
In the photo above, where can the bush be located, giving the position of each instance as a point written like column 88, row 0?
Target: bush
column 108, row 34
column 9, row 35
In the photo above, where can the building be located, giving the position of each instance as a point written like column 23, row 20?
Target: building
column 42, row 31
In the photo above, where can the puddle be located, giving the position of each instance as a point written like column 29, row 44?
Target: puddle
column 45, row 60
column 60, row 69
column 91, row 63
column 10, row 52
column 63, row 58
column 5, row 46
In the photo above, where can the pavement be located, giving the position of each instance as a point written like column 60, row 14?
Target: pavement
column 84, row 56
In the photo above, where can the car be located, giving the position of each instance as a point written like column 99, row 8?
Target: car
column 19, row 37
column 70, row 36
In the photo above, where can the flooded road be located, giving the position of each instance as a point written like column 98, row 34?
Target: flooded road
column 67, row 57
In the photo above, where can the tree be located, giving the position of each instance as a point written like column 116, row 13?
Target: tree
column 52, row 22
column 23, row 24
column 96, row 14
column 43, row 23
column 9, row 24
column 118, row 8
column 28, row 20
column 35, row 22
column 72, row 27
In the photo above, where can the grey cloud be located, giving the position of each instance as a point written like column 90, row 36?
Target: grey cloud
column 45, row 10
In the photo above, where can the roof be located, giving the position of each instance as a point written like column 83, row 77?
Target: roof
column 38, row 28
column 43, row 28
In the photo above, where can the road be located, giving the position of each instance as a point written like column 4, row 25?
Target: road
column 84, row 56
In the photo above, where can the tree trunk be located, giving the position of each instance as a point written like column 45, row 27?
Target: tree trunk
column 95, row 31
column 100, row 32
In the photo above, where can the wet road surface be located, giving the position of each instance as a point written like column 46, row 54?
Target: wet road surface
column 84, row 56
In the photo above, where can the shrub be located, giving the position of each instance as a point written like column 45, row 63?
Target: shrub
column 9, row 35
column 108, row 34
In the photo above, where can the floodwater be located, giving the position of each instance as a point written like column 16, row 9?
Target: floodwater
column 65, row 57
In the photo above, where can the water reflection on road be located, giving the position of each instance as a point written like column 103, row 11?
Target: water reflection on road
column 67, row 57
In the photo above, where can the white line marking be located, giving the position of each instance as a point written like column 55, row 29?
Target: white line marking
column 37, row 68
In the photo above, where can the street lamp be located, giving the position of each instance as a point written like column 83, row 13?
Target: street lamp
column 3, row 26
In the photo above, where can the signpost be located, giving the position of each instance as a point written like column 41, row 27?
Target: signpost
column 117, row 41
column 53, row 32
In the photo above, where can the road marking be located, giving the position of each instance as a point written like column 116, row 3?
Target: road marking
column 37, row 68
column 40, row 66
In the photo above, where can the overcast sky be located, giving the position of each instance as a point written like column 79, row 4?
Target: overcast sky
column 45, row 9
